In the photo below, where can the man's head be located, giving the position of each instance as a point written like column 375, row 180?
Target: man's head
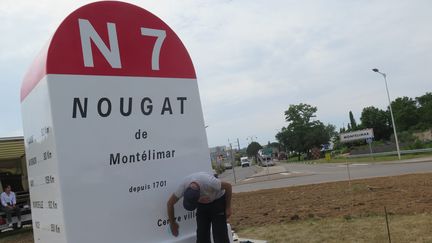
column 191, row 196
column 7, row 189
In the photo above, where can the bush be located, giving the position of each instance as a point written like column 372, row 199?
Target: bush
column 417, row 145
column 406, row 137
column 345, row 150
column 219, row 169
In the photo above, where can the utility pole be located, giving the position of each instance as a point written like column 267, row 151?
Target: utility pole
column 233, row 165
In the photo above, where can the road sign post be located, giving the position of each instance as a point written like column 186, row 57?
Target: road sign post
column 366, row 134
column 369, row 142
column 356, row 135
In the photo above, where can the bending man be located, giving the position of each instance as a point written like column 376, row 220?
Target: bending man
column 212, row 199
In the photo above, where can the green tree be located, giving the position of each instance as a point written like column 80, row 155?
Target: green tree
column 252, row 149
column 237, row 157
column 342, row 130
column 303, row 133
column 300, row 114
column 274, row 145
column 405, row 113
column 379, row 120
column 425, row 110
column 352, row 121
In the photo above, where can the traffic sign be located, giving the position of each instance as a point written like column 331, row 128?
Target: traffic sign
column 267, row 151
column 356, row 135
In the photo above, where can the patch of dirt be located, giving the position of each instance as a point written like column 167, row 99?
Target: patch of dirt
column 406, row 194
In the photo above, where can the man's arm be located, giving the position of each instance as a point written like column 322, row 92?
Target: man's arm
column 170, row 209
column 228, row 193
column 3, row 200
column 13, row 199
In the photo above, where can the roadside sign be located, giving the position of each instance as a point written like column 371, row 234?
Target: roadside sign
column 327, row 156
column 356, row 135
column 112, row 122
column 267, row 151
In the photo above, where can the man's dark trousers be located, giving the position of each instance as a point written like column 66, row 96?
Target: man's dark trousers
column 212, row 214
column 9, row 212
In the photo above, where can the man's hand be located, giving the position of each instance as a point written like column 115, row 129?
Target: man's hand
column 174, row 228
column 228, row 212
column 228, row 192
column 170, row 211
column 204, row 199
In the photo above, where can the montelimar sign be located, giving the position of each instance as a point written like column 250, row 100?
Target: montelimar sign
column 112, row 122
column 356, row 135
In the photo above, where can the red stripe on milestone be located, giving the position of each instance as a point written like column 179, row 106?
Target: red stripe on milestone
column 65, row 52
column 35, row 73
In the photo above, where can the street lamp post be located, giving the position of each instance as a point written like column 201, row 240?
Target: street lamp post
column 232, row 162
column 391, row 111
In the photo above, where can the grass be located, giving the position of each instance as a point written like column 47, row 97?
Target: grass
column 376, row 158
column 363, row 159
column 403, row 228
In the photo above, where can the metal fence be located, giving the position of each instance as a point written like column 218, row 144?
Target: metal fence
column 412, row 151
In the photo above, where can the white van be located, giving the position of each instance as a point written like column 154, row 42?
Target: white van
column 245, row 162
column 267, row 161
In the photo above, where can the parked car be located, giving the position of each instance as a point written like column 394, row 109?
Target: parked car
column 245, row 162
column 227, row 165
column 282, row 156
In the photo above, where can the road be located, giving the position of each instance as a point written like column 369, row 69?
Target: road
column 294, row 174
column 240, row 173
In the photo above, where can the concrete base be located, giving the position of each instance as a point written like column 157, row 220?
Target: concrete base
column 241, row 240
column 236, row 239
column 233, row 237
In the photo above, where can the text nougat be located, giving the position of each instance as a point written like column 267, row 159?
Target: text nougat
column 104, row 106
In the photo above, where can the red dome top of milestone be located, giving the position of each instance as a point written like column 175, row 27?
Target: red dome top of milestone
column 114, row 39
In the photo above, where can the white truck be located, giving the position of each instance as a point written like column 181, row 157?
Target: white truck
column 245, row 162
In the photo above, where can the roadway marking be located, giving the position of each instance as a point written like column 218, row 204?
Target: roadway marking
column 352, row 165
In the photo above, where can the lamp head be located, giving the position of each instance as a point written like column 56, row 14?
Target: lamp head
column 375, row 70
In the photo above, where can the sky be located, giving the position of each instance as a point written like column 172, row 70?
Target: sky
column 255, row 58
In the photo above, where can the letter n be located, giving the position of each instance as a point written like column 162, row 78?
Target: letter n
column 87, row 33
column 78, row 106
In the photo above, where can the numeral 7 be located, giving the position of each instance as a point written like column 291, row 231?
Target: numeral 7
column 160, row 34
